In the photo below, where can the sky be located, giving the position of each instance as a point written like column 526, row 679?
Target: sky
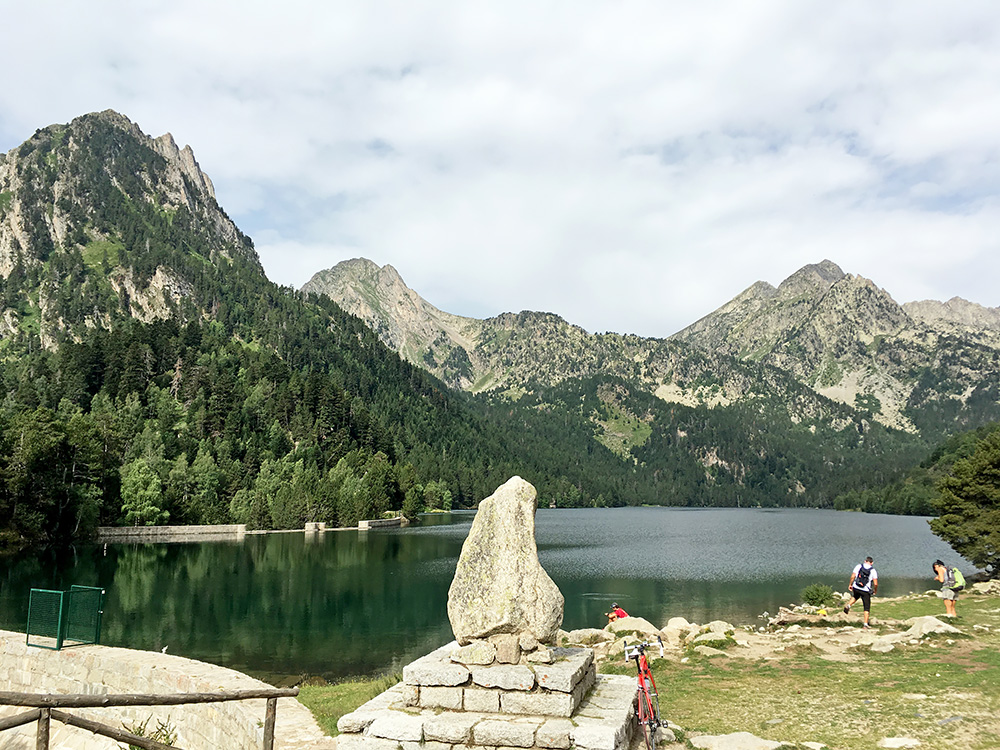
column 629, row 166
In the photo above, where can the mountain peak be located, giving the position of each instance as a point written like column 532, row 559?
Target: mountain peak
column 816, row 277
column 420, row 332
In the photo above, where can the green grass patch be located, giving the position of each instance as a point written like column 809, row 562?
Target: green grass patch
column 6, row 198
column 96, row 251
column 329, row 702
column 913, row 691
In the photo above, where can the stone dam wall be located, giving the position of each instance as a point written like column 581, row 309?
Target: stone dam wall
column 100, row 670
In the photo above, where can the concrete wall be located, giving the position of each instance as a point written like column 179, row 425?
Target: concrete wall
column 379, row 523
column 100, row 670
column 170, row 533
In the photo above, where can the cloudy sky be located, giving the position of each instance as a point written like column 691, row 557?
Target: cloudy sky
column 630, row 166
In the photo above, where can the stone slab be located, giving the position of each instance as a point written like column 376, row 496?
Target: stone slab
column 492, row 732
column 436, row 669
column 555, row 733
column 449, row 727
column 441, row 697
column 396, row 725
column 569, row 667
column 505, row 677
column 482, row 700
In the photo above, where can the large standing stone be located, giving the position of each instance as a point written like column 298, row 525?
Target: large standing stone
column 499, row 585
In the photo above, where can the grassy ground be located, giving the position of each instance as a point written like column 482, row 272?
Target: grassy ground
column 329, row 702
column 947, row 695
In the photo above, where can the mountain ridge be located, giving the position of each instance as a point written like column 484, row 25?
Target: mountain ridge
column 837, row 333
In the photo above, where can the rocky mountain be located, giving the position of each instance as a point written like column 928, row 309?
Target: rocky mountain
column 849, row 340
column 152, row 373
column 922, row 367
column 122, row 223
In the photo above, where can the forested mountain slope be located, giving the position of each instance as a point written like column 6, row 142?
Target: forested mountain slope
column 819, row 387
column 151, row 373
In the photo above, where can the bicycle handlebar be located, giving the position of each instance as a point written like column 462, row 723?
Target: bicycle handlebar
column 641, row 647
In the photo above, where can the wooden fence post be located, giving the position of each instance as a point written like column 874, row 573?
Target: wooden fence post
column 269, row 717
column 42, row 737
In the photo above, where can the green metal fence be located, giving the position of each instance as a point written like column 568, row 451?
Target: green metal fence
column 64, row 618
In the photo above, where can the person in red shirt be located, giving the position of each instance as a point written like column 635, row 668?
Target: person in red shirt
column 616, row 613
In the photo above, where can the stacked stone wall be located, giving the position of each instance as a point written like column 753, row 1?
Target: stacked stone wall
column 102, row 670
column 446, row 705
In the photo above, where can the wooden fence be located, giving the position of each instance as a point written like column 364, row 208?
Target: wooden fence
column 46, row 708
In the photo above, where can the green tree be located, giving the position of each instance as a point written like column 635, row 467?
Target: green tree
column 142, row 495
column 969, row 506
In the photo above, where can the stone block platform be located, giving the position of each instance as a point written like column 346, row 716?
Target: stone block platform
column 442, row 704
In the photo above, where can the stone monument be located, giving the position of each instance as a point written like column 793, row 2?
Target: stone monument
column 504, row 682
column 501, row 595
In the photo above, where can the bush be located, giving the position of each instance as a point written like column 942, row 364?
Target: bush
column 818, row 595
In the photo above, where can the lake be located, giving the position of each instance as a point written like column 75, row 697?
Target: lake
column 287, row 605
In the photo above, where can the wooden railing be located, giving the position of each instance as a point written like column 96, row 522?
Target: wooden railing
column 46, row 708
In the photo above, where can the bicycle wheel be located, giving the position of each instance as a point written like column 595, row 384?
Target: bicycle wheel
column 646, row 719
column 648, row 734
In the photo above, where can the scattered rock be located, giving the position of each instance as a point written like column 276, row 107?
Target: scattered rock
column 921, row 626
column 896, row 742
column 499, row 585
column 587, row 636
column 736, row 741
column 709, row 651
column 991, row 588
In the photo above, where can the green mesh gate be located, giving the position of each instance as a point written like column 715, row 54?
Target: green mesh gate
column 64, row 618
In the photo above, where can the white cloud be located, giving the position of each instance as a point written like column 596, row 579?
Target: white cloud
column 630, row 166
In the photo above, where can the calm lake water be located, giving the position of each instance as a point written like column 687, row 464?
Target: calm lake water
column 281, row 606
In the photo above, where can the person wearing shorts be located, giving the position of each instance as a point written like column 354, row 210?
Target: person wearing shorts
column 616, row 613
column 949, row 593
column 863, row 584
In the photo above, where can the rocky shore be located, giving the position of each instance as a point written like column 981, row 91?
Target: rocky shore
column 830, row 634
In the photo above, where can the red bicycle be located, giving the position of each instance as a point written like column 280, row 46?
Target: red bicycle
column 648, row 713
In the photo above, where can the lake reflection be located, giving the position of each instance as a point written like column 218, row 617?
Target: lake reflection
column 281, row 606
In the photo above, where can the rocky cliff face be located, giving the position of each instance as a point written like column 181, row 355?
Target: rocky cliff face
column 838, row 334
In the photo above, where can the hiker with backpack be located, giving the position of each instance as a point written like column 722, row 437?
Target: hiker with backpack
column 952, row 581
column 863, row 584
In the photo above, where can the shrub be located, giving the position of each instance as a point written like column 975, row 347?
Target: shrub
column 818, row 595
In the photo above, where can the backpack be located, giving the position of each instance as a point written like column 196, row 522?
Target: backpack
column 959, row 579
column 861, row 580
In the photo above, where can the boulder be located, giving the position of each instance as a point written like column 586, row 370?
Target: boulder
column 588, row 636
column 676, row 623
column 633, row 625
column 499, row 585
column 719, row 626
column 991, row 588
column 921, row 626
